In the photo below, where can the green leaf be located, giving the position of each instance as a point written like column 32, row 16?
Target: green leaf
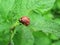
column 23, row 36
column 56, row 43
column 39, row 22
column 5, row 6
column 4, row 33
column 4, row 37
column 58, row 4
column 53, row 37
column 41, row 39
column 5, row 24
column 45, row 6
column 24, row 7
column 57, row 20
column 48, row 15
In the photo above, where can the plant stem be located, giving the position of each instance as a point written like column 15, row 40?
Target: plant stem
column 12, row 29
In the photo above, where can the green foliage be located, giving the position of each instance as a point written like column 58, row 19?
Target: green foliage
column 56, row 43
column 23, row 36
column 41, row 39
column 44, row 28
